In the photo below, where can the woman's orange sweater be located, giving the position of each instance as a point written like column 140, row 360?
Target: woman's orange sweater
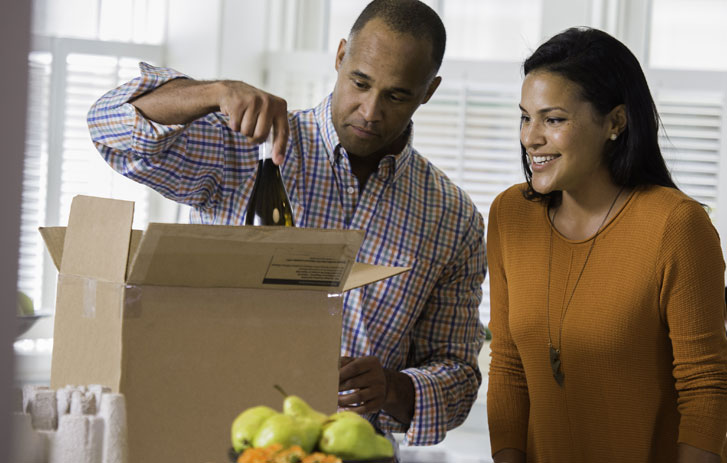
column 643, row 344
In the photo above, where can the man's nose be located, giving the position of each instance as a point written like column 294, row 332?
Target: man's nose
column 370, row 107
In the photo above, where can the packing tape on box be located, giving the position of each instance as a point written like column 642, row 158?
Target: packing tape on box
column 335, row 303
column 90, row 290
column 74, row 291
column 131, row 303
column 84, row 291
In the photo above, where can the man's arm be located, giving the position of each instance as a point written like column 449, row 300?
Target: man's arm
column 436, row 391
column 196, row 163
column 446, row 340
column 251, row 111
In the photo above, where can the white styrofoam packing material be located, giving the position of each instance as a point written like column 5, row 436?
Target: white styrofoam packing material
column 70, row 425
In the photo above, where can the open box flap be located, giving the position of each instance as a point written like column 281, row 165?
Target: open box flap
column 54, row 238
column 97, row 239
column 244, row 257
column 364, row 274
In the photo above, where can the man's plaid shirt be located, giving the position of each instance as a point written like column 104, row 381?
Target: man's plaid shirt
column 424, row 323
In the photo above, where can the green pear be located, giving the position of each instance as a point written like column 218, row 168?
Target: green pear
column 295, row 406
column 247, row 424
column 25, row 305
column 344, row 414
column 311, row 432
column 353, row 437
column 287, row 431
column 382, row 447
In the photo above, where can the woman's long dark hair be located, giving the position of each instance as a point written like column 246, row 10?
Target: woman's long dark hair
column 608, row 75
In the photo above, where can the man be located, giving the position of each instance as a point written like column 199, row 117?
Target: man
column 410, row 343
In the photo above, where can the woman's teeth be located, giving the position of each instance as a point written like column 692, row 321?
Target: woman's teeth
column 542, row 159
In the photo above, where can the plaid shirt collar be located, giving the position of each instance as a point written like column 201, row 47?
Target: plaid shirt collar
column 391, row 167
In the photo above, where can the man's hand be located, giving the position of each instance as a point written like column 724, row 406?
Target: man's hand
column 254, row 113
column 365, row 377
column 375, row 388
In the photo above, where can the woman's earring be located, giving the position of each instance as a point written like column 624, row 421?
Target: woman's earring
column 614, row 136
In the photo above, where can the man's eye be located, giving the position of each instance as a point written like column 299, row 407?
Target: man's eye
column 360, row 84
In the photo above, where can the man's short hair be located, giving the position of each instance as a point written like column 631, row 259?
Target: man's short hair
column 410, row 17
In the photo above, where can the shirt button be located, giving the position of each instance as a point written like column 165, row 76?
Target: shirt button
column 351, row 190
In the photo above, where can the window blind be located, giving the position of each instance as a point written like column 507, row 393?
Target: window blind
column 83, row 170
column 471, row 132
column 692, row 140
column 66, row 77
column 34, row 174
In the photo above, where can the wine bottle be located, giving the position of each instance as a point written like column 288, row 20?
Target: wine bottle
column 268, row 204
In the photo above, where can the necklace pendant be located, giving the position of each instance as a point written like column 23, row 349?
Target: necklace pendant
column 555, row 365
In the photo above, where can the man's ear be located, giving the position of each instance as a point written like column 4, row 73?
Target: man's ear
column 618, row 119
column 340, row 53
column 432, row 87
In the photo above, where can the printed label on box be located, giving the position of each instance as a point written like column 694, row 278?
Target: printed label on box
column 305, row 271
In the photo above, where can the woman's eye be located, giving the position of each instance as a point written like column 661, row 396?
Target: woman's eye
column 524, row 118
column 554, row 120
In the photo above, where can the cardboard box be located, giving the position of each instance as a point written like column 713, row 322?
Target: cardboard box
column 194, row 323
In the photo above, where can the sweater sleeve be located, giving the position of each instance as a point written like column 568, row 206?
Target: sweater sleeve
column 692, row 303
column 508, row 404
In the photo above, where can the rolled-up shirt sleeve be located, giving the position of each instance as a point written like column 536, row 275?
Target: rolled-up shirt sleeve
column 194, row 164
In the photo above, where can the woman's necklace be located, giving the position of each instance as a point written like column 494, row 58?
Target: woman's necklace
column 555, row 351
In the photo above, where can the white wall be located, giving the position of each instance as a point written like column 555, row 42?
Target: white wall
column 217, row 39
column 243, row 40
column 193, row 37
column 627, row 20
column 562, row 14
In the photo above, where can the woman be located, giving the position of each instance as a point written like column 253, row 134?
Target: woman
column 606, row 281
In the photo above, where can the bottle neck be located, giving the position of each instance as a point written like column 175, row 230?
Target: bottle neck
column 265, row 148
column 262, row 153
